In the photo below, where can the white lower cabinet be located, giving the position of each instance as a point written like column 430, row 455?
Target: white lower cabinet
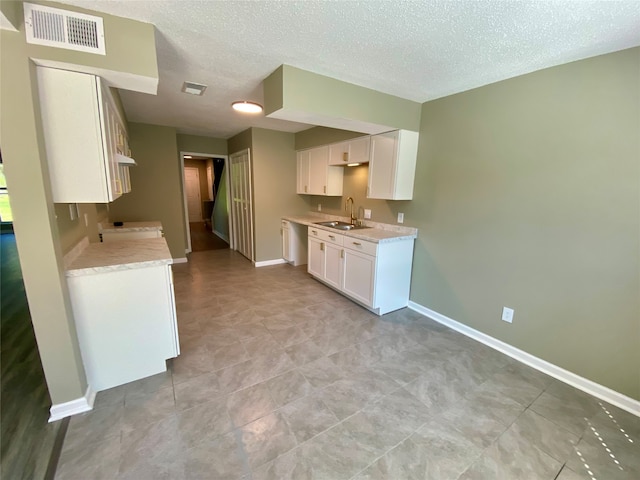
column 126, row 323
column 376, row 275
column 359, row 274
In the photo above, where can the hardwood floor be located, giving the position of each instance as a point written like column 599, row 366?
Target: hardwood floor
column 203, row 239
column 27, row 439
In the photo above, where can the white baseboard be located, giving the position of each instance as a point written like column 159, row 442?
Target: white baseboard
column 266, row 263
column 604, row 393
column 74, row 407
column 220, row 235
column 180, row 260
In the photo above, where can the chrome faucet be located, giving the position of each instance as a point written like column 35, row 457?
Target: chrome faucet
column 346, row 205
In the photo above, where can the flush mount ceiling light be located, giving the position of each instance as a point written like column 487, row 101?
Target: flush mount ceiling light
column 193, row 88
column 247, row 107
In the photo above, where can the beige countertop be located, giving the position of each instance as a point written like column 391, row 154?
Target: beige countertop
column 377, row 233
column 92, row 258
column 129, row 227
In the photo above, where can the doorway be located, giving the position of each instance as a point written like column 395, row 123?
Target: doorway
column 206, row 203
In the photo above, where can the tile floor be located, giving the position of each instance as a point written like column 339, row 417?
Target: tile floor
column 282, row 378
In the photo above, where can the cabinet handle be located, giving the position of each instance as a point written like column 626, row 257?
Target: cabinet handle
column 305, row 189
column 314, row 232
column 322, row 246
column 332, row 237
column 325, row 189
column 357, row 243
column 342, row 253
column 345, row 156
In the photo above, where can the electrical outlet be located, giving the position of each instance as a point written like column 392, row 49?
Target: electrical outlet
column 367, row 214
column 400, row 217
column 86, row 219
column 73, row 211
column 319, row 207
column 507, row 314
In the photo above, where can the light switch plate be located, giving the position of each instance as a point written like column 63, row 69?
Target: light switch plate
column 400, row 217
column 367, row 214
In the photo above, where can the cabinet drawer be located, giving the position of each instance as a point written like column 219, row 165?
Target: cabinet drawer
column 363, row 246
column 326, row 236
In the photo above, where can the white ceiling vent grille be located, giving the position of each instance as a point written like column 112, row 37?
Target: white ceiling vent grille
column 63, row 29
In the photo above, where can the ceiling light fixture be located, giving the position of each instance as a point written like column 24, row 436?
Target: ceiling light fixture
column 193, row 88
column 246, row 107
column 352, row 164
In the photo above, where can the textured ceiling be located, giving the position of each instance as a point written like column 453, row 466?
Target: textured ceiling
column 419, row 50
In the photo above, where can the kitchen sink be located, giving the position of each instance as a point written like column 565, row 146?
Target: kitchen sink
column 341, row 225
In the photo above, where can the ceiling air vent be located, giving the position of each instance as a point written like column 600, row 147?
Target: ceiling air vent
column 63, row 29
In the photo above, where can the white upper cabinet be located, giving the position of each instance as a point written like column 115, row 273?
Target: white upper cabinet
column 351, row 151
column 392, row 165
column 315, row 176
column 303, row 172
column 85, row 138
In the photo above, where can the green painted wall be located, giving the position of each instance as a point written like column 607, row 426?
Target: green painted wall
column 38, row 239
column 274, row 171
column 240, row 141
column 156, row 184
column 528, row 196
column 199, row 144
column 73, row 231
column 319, row 99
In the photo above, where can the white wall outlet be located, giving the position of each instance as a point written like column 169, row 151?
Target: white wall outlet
column 507, row 314
column 319, row 207
column 367, row 214
column 400, row 217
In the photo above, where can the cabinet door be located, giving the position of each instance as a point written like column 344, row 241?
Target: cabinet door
column 339, row 153
column 359, row 150
column 359, row 276
column 333, row 265
column 303, row 172
column 382, row 165
column 318, row 168
column 315, row 264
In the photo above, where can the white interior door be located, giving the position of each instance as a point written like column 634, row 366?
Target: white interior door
column 192, row 185
column 241, row 203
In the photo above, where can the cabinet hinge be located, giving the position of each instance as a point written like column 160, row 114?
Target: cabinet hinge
column 345, row 156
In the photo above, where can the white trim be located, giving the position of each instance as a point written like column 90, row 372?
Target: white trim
column 266, row 263
column 600, row 391
column 180, row 260
column 74, row 407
